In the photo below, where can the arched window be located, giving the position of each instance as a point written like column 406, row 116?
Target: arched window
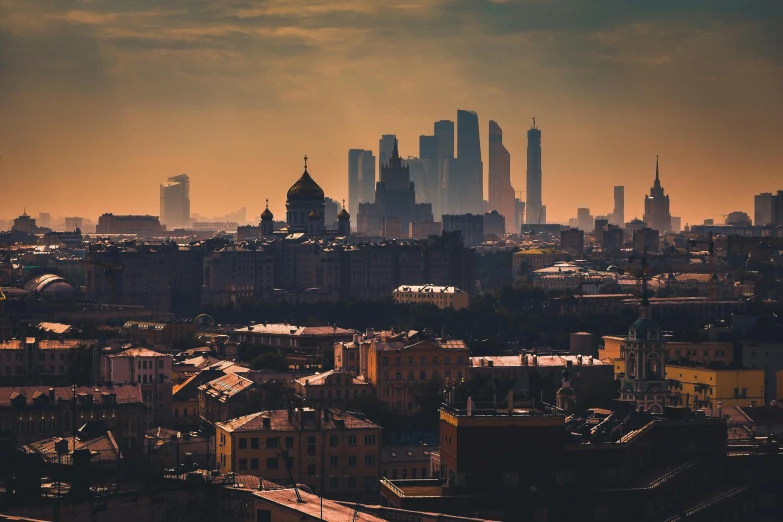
column 398, row 376
column 631, row 365
column 653, row 365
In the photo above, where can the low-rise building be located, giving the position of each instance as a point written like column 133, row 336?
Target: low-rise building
column 410, row 461
column 536, row 258
column 159, row 334
column 223, row 398
column 149, row 369
column 398, row 365
column 701, row 387
column 300, row 344
column 331, row 451
column 334, row 388
column 34, row 413
column 33, row 361
column 440, row 296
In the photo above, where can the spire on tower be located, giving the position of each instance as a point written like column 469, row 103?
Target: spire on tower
column 305, row 160
column 656, row 169
column 395, row 152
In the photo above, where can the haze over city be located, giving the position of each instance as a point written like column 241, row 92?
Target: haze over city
column 102, row 101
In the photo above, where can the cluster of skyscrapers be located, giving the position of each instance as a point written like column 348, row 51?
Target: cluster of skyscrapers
column 443, row 179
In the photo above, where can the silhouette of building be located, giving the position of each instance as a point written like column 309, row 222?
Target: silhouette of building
column 494, row 223
column 572, row 240
column 175, row 202
column 395, row 206
column 143, row 226
column 353, row 178
column 466, row 176
column 612, row 241
column 584, row 220
column 646, row 241
column 656, row 206
column 428, row 153
column 501, row 193
column 519, row 216
column 25, row 223
column 618, row 214
column 763, row 209
column 738, row 218
column 385, row 149
column 74, row 223
column 45, row 219
column 305, row 206
column 536, row 212
column 444, row 136
column 470, row 227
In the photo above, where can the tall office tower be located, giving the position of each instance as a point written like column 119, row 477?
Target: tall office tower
column 519, row 218
column 584, row 220
column 44, row 219
column 428, row 152
column 762, row 209
column 418, row 170
column 353, row 179
column 536, row 213
column 470, row 169
column 366, row 178
column 501, row 193
column 656, row 206
column 618, row 214
column 175, row 202
column 444, row 135
column 72, row 223
column 385, row 149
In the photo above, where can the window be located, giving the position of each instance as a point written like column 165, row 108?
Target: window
column 254, row 443
column 271, row 463
column 423, row 472
column 423, row 360
column 369, row 440
column 289, row 442
column 435, row 360
column 333, row 482
column 311, row 446
column 254, row 463
column 404, row 473
column 398, row 376
column 242, row 443
column 423, row 376
column 272, row 443
column 160, row 364
column 398, row 361
column 333, row 461
column 352, row 460
column 176, row 412
column 311, row 469
column 369, row 482
column 410, row 361
column 242, row 463
column 352, row 440
column 385, row 361
column 369, row 460
column 333, row 440
column 351, row 482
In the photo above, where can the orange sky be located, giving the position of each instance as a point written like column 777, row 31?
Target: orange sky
column 102, row 100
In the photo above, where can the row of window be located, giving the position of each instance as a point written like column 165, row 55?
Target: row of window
column 404, row 473
column 142, row 365
column 273, row 442
column 338, row 393
column 422, row 376
column 422, row 360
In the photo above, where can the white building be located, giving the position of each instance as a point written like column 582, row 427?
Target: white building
column 150, row 369
column 440, row 296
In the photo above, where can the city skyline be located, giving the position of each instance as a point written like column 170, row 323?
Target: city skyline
column 124, row 99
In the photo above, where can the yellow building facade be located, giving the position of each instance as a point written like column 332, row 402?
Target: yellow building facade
column 329, row 450
column 705, row 387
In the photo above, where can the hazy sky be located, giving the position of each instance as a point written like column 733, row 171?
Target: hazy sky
column 102, row 100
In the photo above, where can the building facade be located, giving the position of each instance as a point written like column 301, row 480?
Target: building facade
column 331, row 451
column 501, row 193
column 175, row 202
column 440, row 296
column 656, row 206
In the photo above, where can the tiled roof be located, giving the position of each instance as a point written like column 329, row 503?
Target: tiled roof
column 200, row 361
column 226, row 386
column 57, row 328
column 139, row 352
column 541, row 360
column 103, row 448
column 126, row 393
column 65, row 344
column 320, row 379
column 290, row 329
column 279, row 421
column 394, row 454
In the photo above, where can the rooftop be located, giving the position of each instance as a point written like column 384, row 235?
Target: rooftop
column 429, row 289
column 226, row 386
column 125, row 393
column 299, row 331
column 311, row 506
column 139, row 352
column 103, row 448
column 330, row 377
column 306, row 419
column 394, row 454
column 537, row 360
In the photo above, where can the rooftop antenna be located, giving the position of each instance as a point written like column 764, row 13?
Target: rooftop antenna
column 305, row 160
column 267, row 199
column 656, row 168
column 534, row 122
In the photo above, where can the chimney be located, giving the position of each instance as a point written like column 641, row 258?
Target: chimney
column 51, row 395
